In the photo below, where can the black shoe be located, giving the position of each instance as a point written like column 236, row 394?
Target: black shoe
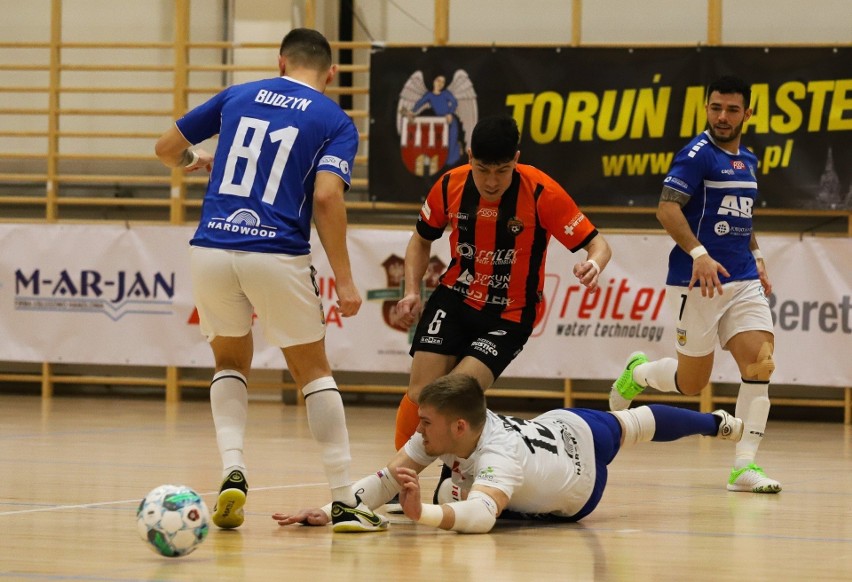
column 393, row 506
column 446, row 473
column 358, row 519
column 228, row 512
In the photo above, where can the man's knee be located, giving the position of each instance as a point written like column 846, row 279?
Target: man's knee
column 764, row 366
column 690, row 388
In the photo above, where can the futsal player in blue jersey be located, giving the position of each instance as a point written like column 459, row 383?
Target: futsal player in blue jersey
column 284, row 155
column 717, row 282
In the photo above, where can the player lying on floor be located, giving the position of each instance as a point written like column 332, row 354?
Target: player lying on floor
column 553, row 466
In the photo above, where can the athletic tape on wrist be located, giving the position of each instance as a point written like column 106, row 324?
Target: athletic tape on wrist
column 758, row 256
column 595, row 265
column 431, row 515
column 195, row 158
column 698, row 251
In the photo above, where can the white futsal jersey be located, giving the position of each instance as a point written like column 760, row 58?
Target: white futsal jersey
column 545, row 465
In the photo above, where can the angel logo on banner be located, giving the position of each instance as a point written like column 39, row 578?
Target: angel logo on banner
column 434, row 126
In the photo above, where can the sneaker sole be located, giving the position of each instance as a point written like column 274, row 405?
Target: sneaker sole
column 357, row 528
column 616, row 400
column 763, row 489
column 229, row 509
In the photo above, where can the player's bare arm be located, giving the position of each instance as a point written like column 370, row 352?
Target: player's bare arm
column 374, row 491
column 599, row 253
column 705, row 270
column 416, row 261
column 761, row 265
column 476, row 514
column 330, row 221
column 174, row 151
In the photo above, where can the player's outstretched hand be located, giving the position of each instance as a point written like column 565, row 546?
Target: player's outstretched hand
column 312, row 516
column 705, row 272
column 409, row 495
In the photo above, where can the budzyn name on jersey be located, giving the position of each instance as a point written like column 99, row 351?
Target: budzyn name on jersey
column 284, row 101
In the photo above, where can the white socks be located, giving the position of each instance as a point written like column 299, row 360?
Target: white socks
column 659, row 374
column 638, row 425
column 229, row 402
column 753, row 409
column 327, row 422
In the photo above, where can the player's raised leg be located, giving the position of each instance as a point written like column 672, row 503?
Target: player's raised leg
column 661, row 423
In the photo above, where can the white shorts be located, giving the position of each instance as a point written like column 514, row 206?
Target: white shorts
column 229, row 287
column 703, row 320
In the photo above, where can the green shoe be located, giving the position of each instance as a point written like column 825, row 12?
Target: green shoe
column 753, row 480
column 625, row 388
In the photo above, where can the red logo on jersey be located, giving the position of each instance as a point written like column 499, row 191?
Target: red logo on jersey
column 738, row 165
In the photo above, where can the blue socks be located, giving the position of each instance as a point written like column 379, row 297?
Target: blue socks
column 674, row 423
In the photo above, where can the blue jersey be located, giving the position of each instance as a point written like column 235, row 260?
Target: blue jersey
column 274, row 136
column 722, row 190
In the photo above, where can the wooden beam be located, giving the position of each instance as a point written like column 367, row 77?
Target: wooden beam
column 52, row 186
column 442, row 22
column 177, row 212
column 714, row 22
column 576, row 22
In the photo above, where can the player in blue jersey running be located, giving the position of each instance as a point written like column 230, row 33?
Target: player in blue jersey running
column 284, row 154
column 717, row 282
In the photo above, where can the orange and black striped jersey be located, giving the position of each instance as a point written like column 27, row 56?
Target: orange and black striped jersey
column 499, row 248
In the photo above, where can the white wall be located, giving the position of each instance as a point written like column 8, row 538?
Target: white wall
column 609, row 21
column 99, row 21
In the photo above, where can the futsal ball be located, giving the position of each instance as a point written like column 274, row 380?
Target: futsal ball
column 173, row 520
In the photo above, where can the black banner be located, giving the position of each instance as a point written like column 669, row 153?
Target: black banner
column 606, row 122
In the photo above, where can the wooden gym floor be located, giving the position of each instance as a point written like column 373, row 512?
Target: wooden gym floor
column 74, row 468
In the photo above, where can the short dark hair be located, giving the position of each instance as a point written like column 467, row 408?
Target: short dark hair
column 495, row 139
column 730, row 84
column 305, row 47
column 458, row 395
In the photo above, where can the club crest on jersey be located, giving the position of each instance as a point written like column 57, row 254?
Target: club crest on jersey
column 681, row 336
column 515, row 226
column 738, row 165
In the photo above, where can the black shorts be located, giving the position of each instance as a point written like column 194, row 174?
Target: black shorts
column 451, row 328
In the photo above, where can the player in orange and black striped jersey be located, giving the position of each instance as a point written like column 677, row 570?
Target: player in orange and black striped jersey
column 501, row 216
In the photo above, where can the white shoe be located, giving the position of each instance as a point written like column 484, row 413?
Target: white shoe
column 731, row 427
column 753, row 480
